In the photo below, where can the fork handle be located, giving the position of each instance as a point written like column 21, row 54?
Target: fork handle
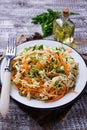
column 5, row 93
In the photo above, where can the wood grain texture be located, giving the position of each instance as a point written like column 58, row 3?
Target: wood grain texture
column 15, row 17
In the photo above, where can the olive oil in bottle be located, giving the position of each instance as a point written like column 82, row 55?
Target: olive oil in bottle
column 63, row 28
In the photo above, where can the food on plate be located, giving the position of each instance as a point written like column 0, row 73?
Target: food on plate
column 44, row 73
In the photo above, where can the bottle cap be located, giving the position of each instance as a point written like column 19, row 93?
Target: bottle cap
column 65, row 12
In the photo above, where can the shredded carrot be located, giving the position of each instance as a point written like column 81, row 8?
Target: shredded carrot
column 69, row 50
column 26, row 66
column 66, row 67
column 60, row 56
column 51, row 74
column 55, row 98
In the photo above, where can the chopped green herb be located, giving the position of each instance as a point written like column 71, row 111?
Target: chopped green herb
column 34, row 47
column 57, row 84
column 40, row 47
column 26, row 49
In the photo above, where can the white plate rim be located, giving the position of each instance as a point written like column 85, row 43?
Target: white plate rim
column 41, row 104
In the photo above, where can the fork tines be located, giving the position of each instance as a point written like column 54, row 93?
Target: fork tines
column 11, row 47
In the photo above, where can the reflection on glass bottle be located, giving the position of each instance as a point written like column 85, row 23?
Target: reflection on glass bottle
column 63, row 28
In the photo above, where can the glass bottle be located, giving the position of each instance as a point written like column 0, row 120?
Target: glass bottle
column 63, row 28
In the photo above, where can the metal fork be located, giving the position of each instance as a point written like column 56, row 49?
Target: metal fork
column 5, row 92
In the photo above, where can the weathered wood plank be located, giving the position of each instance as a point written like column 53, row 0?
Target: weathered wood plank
column 17, row 15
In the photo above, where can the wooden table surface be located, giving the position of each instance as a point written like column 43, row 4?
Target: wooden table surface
column 15, row 17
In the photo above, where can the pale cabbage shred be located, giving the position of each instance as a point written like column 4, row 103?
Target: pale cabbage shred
column 62, row 79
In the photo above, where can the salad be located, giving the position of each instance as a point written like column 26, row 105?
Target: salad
column 44, row 73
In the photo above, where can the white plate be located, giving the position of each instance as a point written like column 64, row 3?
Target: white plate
column 68, row 98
